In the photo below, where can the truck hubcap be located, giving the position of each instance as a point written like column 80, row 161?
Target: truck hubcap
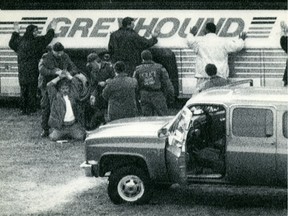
column 130, row 188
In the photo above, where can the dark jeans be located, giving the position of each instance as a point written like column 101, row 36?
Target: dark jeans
column 94, row 116
column 153, row 103
column 28, row 97
column 75, row 131
column 285, row 78
column 45, row 110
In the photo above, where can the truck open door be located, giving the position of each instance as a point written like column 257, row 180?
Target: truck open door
column 176, row 147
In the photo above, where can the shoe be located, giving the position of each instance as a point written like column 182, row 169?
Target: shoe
column 45, row 133
column 33, row 110
column 24, row 112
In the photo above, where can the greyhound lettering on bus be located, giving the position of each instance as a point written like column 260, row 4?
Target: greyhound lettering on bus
column 102, row 26
column 173, row 26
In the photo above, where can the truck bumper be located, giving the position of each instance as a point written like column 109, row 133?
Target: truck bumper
column 90, row 168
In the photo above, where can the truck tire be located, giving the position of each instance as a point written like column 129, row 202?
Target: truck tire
column 129, row 185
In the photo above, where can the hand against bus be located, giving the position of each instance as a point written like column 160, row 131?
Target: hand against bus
column 16, row 26
column 284, row 28
column 194, row 30
column 53, row 24
column 155, row 34
column 243, row 35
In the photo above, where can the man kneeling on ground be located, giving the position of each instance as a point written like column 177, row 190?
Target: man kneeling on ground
column 64, row 94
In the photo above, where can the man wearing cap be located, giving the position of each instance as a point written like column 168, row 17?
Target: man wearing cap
column 211, row 49
column 29, row 48
column 155, row 87
column 50, row 66
column 126, row 45
column 64, row 97
column 99, row 72
column 120, row 94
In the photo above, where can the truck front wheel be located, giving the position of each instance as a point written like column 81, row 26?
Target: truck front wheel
column 131, row 185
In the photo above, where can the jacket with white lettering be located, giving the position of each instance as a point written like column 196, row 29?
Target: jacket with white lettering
column 152, row 76
column 211, row 49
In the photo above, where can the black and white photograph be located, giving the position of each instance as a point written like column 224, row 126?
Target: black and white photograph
column 145, row 107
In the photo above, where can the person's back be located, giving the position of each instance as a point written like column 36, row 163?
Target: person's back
column 148, row 75
column 214, row 49
column 283, row 44
column 120, row 94
column 211, row 49
column 214, row 80
column 126, row 45
column 155, row 87
column 29, row 49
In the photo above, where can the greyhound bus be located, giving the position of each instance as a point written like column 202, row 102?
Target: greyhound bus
column 84, row 30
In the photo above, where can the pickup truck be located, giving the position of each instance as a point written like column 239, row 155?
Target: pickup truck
column 226, row 135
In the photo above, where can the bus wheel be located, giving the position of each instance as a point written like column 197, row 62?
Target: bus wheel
column 129, row 185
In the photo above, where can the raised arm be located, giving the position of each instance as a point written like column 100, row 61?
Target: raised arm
column 15, row 37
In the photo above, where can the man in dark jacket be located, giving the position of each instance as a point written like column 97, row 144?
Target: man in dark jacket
column 120, row 94
column 99, row 72
column 155, row 87
column 214, row 79
column 126, row 45
column 29, row 49
column 64, row 94
column 284, row 44
column 51, row 66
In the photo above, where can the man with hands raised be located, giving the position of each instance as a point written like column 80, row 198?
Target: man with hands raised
column 29, row 48
column 212, row 49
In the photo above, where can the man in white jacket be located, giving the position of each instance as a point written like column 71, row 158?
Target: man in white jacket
column 211, row 49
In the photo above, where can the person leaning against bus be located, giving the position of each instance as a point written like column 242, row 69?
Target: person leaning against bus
column 51, row 66
column 126, row 45
column 283, row 44
column 211, row 49
column 29, row 49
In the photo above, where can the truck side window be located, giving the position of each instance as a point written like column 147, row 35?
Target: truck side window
column 252, row 122
column 285, row 124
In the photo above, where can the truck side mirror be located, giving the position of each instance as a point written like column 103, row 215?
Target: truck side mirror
column 163, row 132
